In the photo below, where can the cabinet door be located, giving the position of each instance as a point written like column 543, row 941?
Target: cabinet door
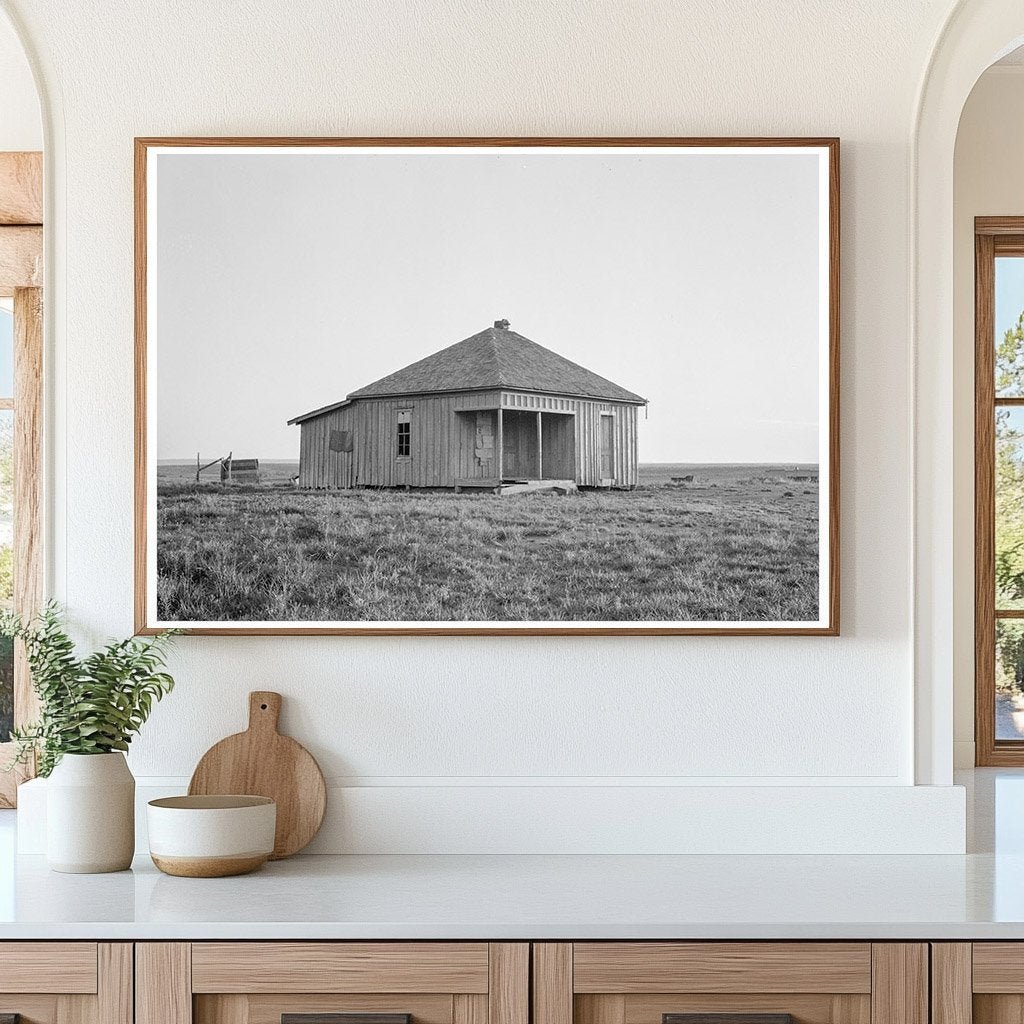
column 980, row 982
column 66, row 982
column 730, row 983
column 332, row 983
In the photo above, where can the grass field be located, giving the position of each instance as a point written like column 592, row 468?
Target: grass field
column 737, row 543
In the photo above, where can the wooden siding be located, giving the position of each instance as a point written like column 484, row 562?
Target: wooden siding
column 558, row 446
column 449, row 433
column 477, row 444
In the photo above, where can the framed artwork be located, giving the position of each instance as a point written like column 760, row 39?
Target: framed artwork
column 487, row 386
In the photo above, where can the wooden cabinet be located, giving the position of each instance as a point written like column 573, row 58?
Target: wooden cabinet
column 66, row 982
column 977, row 982
column 737, row 982
column 301, row 982
column 493, row 983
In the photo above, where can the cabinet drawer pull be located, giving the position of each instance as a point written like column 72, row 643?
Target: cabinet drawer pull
column 727, row 1018
column 339, row 1018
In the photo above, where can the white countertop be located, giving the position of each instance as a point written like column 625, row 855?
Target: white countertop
column 497, row 897
column 977, row 896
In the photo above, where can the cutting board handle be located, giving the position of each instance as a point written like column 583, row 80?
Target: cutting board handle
column 264, row 710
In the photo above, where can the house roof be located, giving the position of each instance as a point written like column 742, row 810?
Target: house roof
column 493, row 358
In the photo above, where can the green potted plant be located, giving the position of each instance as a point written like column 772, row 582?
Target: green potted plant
column 90, row 708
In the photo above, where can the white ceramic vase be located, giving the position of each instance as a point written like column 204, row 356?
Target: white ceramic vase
column 90, row 814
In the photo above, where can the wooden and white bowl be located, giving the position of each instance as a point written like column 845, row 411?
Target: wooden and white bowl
column 211, row 836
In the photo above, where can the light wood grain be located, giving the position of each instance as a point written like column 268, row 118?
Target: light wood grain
column 339, row 967
column 21, row 188
column 67, row 967
column 10, row 780
column 8, row 784
column 143, row 614
column 77, row 1010
column 345, row 1018
column 163, row 983
column 425, row 1009
column 602, row 1009
column 28, row 503
column 805, row 1008
column 552, row 983
column 899, row 993
column 262, row 762
column 241, row 1008
column 208, row 867
column 21, row 258
column 225, row 1009
column 115, row 990
column 28, row 482
column 468, row 1009
column 990, row 1008
column 851, row 1009
column 951, row 980
column 722, row 967
column 37, row 1009
column 509, row 983
column 998, row 967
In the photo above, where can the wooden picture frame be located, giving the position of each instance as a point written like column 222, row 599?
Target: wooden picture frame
column 514, row 407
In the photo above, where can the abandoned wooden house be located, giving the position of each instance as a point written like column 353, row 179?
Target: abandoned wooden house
column 495, row 411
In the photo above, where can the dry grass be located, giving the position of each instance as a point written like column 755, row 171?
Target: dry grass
column 743, row 550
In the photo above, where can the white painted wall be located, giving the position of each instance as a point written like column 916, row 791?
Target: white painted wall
column 20, row 124
column 987, row 181
column 431, row 716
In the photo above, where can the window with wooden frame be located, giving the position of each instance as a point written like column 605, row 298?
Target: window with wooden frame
column 403, row 437
column 999, row 490
column 21, row 365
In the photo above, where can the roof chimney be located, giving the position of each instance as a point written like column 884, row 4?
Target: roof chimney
column 502, row 325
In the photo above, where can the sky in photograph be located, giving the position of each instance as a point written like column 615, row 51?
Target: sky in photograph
column 287, row 280
column 1009, row 294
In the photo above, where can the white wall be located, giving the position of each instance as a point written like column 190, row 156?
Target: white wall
column 987, row 181
column 20, row 123
column 428, row 717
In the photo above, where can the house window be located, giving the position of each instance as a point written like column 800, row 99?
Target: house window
column 21, row 418
column 20, row 494
column 403, row 438
column 999, row 491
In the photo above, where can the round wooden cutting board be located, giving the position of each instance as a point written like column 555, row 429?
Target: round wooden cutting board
column 262, row 762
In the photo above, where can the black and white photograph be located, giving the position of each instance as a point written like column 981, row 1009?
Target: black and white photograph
column 471, row 386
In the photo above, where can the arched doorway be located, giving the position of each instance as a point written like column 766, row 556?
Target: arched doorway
column 977, row 34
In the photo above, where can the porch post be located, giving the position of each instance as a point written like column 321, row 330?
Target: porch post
column 540, row 447
column 501, row 443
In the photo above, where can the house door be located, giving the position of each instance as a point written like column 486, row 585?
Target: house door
column 607, row 447
column 520, row 444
